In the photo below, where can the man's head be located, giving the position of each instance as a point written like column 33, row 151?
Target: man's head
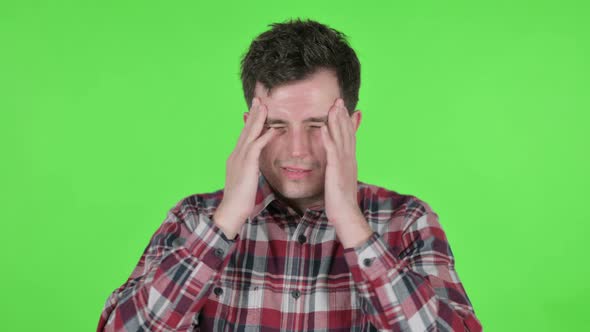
column 298, row 70
column 293, row 50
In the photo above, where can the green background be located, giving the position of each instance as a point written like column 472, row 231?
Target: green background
column 113, row 111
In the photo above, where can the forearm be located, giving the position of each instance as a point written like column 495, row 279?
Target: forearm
column 171, row 283
column 353, row 230
column 400, row 298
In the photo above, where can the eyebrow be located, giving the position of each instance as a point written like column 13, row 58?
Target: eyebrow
column 322, row 119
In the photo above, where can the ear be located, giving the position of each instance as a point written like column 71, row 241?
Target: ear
column 246, row 114
column 356, row 118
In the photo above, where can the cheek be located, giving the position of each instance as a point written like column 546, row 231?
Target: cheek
column 269, row 152
column 318, row 144
column 317, row 137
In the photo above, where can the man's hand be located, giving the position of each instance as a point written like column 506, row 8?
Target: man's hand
column 340, row 189
column 241, row 181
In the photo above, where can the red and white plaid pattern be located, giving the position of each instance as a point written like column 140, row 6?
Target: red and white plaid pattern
column 289, row 273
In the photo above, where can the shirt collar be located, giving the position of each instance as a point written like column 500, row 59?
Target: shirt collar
column 264, row 196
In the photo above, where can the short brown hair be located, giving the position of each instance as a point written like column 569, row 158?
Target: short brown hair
column 295, row 49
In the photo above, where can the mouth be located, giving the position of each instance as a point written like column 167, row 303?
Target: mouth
column 295, row 173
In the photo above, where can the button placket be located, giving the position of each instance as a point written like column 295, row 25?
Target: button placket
column 295, row 294
column 299, row 234
column 367, row 262
column 301, row 239
column 218, row 253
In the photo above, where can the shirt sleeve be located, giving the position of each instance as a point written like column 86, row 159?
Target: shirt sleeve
column 413, row 287
column 171, row 282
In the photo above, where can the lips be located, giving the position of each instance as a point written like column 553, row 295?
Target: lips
column 295, row 173
column 295, row 169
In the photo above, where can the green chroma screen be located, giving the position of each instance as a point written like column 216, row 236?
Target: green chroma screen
column 113, row 111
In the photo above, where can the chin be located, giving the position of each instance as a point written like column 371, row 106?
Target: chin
column 296, row 194
column 298, row 190
column 294, row 189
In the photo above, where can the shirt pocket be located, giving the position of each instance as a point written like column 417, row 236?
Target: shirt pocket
column 237, row 304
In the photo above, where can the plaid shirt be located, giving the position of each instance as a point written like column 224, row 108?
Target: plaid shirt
column 286, row 272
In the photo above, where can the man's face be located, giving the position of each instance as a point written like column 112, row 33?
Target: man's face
column 297, row 111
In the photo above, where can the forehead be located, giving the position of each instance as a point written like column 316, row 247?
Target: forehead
column 299, row 100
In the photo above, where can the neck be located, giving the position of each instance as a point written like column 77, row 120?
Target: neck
column 302, row 204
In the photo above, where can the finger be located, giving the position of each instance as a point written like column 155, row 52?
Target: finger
column 254, row 124
column 346, row 126
column 342, row 122
column 328, row 142
column 258, row 123
column 333, row 125
column 262, row 141
column 249, row 120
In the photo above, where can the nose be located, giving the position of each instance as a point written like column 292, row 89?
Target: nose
column 298, row 143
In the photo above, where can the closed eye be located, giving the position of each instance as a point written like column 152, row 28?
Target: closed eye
column 314, row 126
column 275, row 127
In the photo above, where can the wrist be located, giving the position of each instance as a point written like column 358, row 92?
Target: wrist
column 228, row 225
column 353, row 230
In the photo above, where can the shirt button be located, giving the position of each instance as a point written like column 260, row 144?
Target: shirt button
column 301, row 239
column 218, row 252
column 367, row 262
column 218, row 291
column 295, row 294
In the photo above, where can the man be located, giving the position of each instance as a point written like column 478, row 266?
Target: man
column 294, row 242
